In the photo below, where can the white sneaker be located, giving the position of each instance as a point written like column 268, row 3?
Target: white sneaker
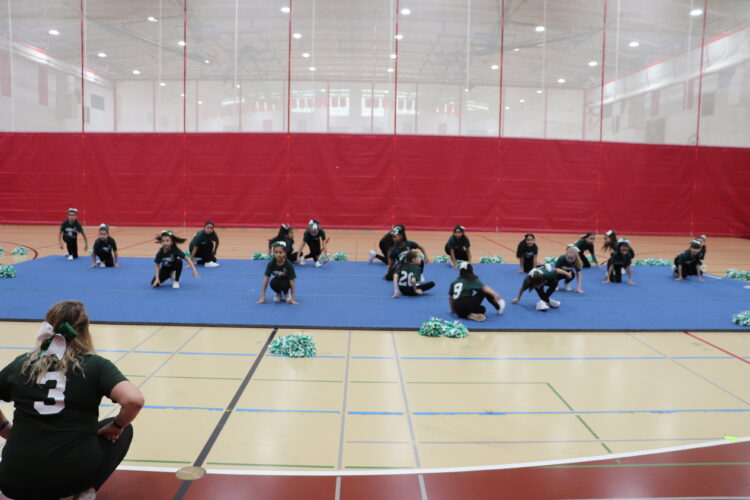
column 674, row 270
column 211, row 264
column 70, row 257
column 318, row 264
column 502, row 307
column 372, row 256
column 277, row 297
column 554, row 303
column 173, row 276
column 476, row 317
column 101, row 264
column 568, row 288
column 542, row 306
column 302, row 262
column 175, row 284
column 288, row 298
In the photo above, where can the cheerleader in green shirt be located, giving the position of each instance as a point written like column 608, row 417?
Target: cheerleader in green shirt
column 467, row 292
column 458, row 246
column 408, row 275
column 539, row 278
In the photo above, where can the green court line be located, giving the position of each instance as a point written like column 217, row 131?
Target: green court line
column 610, row 466
column 604, row 445
column 274, row 465
column 375, row 467
column 373, row 382
column 157, row 461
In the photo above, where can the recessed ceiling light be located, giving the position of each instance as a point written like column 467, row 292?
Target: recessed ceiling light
column 162, row 84
column 297, row 36
column 696, row 12
column 495, row 66
column 200, row 102
column 322, row 90
column 238, row 85
column 522, row 101
column 399, row 37
column 305, row 54
column 393, row 56
column 538, row 91
column 136, row 72
column 53, row 32
column 405, row 11
column 593, row 63
column 152, row 19
column 539, row 29
column 390, row 70
column 312, row 68
column 102, row 55
column 181, row 43
column 286, row 10
column 507, row 107
column 207, row 61
column 182, row 95
column 516, row 49
column 466, row 89
column 634, row 44
column 561, row 80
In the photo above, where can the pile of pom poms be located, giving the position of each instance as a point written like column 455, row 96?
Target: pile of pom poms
column 294, row 346
column 7, row 271
column 440, row 259
column 490, row 259
column 738, row 274
column 338, row 256
column 20, row 251
column 262, row 256
column 436, row 327
column 742, row 319
column 653, row 262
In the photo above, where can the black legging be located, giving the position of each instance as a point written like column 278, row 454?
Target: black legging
column 468, row 305
column 385, row 245
column 461, row 253
column 111, row 453
column 407, row 290
column 166, row 272
column 106, row 257
column 687, row 269
column 616, row 274
column 315, row 250
column 205, row 252
column 585, row 261
column 528, row 264
column 546, row 294
column 72, row 244
column 280, row 285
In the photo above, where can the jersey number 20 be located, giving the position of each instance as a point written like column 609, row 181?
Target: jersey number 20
column 57, row 394
column 405, row 279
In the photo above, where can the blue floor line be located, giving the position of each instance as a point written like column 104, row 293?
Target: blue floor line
column 590, row 412
column 216, row 353
column 375, row 413
column 271, row 410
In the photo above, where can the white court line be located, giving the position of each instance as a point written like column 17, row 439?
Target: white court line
column 445, row 470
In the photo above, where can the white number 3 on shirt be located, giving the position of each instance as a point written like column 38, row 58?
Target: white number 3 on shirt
column 58, row 394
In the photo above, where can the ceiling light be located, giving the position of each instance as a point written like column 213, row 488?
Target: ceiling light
column 322, row 90
column 507, row 107
column 399, row 37
column 207, row 61
column 539, row 29
column 102, row 55
column 495, row 66
column 522, row 101
column 152, row 19
column 466, row 89
column 182, row 95
column 696, row 12
column 634, row 44
column 561, row 80
column 312, row 68
column 538, row 91
column 200, row 102
column 53, row 32
column 136, row 72
column 516, row 49
column 393, row 56
column 162, row 84
column 238, row 85
column 286, row 10
column 405, row 11
column 305, row 54
column 387, row 91
column 390, row 70
column 296, row 36
column 593, row 63
column 181, row 43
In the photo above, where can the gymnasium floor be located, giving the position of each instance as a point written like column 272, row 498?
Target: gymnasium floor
column 374, row 400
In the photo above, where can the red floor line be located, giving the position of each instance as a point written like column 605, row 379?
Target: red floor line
column 21, row 245
column 717, row 347
column 499, row 244
column 136, row 244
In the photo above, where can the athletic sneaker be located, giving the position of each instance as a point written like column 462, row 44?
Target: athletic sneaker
column 302, row 262
column 542, row 306
column 101, row 264
column 501, row 308
column 554, row 303
column 476, row 316
column 318, row 264
column 212, row 264
column 70, row 257
column 674, row 270
column 175, row 284
column 568, row 288
column 372, row 256
column 288, row 298
column 277, row 297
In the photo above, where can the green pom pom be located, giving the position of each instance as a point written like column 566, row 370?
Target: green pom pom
column 294, row 346
column 440, row 259
column 433, row 327
column 550, row 260
column 455, row 329
column 20, row 251
column 262, row 256
column 187, row 253
column 742, row 319
column 2, row 251
column 490, row 259
column 653, row 262
column 339, row 256
column 591, row 259
column 7, row 271
column 738, row 274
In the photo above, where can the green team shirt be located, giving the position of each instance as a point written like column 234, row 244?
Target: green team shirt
column 70, row 231
column 53, row 439
column 453, row 242
column 549, row 273
column 168, row 258
column 685, row 259
column 285, row 270
column 202, row 236
column 407, row 272
column 107, row 245
column 464, row 288
column 308, row 236
column 562, row 263
column 585, row 246
column 396, row 251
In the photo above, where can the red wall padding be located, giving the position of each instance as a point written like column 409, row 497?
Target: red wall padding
column 373, row 181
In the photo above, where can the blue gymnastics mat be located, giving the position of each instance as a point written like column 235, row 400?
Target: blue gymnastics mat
column 354, row 295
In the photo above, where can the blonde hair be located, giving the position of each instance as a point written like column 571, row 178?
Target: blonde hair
column 74, row 313
column 579, row 262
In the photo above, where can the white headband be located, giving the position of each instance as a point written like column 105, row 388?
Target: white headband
column 278, row 244
column 58, row 344
column 73, row 210
column 573, row 247
column 535, row 271
column 463, row 265
column 611, row 231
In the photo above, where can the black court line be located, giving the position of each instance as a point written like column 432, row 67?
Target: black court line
column 386, row 328
column 227, row 412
